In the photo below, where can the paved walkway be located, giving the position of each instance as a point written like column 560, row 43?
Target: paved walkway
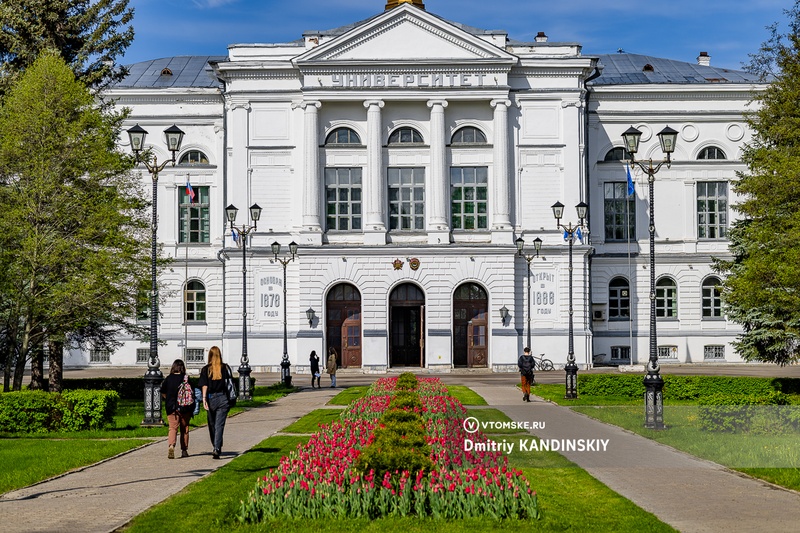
column 690, row 494
column 105, row 496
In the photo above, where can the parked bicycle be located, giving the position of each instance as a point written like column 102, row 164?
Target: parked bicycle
column 542, row 363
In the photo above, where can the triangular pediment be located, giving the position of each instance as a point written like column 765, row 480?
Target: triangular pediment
column 405, row 33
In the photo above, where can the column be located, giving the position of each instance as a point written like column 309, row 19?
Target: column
column 437, row 182
column 374, row 184
column 501, row 221
column 312, row 179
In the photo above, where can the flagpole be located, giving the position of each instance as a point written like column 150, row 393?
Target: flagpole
column 187, row 218
column 631, row 358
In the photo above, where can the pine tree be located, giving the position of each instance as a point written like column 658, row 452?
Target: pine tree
column 89, row 34
column 762, row 288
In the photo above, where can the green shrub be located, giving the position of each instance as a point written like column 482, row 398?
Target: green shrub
column 743, row 412
column 683, row 387
column 42, row 412
column 397, row 444
column 87, row 409
column 407, row 382
column 405, row 400
column 28, row 411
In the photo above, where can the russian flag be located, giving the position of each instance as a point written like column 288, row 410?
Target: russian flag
column 189, row 191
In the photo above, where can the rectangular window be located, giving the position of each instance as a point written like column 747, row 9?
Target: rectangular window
column 714, row 352
column 406, row 198
column 142, row 355
column 194, row 222
column 619, row 210
column 99, row 356
column 712, row 210
column 194, row 356
column 667, row 352
column 343, row 199
column 469, row 198
column 620, row 353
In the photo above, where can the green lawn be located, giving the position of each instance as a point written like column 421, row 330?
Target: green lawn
column 310, row 422
column 487, row 416
column 465, row 395
column 348, row 395
column 28, row 461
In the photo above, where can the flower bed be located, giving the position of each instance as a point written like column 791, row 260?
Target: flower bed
column 321, row 479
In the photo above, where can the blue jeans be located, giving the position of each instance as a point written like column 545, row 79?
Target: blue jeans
column 333, row 380
column 217, row 415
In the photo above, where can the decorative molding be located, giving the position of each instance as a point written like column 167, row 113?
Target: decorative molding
column 439, row 333
column 441, row 102
column 370, row 103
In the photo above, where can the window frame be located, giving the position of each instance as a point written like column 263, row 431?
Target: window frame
column 142, row 356
column 714, row 350
column 478, row 135
column 478, row 184
column 350, row 133
column 666, row 304
column 616, row 298
column 354, row 206
column 99, row 357
column 711, row 294
column 667, row 352
column 614, row 211
column 612, row 155
column 414, row 206
column 396, row 137
column 619, row 351
column 711, row 218
column 703, row 154
column 190, row 305
column 199, row 215
column 182, row 161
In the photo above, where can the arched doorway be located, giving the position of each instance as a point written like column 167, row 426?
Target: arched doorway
column 407, row 326
column 470, row 325
column 343, row 323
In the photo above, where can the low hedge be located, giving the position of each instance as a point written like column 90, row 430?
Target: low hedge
column 43, row 412
column 751, row 413
column 684, row 387
column 127, row 388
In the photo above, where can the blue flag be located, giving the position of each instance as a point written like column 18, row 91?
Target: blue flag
column 566, row 235
column 630, row 180
column 234, row 235
column 579, row 234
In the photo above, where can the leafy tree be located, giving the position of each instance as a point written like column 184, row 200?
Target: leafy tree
column 73, row 226
column 762, row 288
column 89, row 34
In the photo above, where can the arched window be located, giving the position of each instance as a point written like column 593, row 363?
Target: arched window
column 195, row 302
column 619, row 300
column 468, row 135
column 343, row 136
column 712, row 298
column 405, row 135
column 618, row 153
column 666, row 298
column 711, row 152
column 193, row 157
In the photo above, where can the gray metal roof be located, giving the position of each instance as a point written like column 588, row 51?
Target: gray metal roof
column 630, row 69
column 187, row 71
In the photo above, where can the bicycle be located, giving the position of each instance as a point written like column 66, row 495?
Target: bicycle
column 542, row 363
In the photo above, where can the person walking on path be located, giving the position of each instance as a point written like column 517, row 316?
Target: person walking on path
column 526, row 365
column 215, row 398
column 178, row 415
column 314, row 359
column 331, row 366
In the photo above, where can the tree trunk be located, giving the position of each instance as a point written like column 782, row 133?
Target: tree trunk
column 56, row 360
column 19, row 371
column 8, row 359
column 37, row 369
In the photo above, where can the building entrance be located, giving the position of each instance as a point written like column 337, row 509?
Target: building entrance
column 343, row 325
column 407, row 326
column 470, row 306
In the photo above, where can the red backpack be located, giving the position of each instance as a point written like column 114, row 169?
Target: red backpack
column 185, row 393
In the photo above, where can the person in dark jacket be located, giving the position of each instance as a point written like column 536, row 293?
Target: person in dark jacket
column 526, row 365
column 177, row 416
column 314, row 360
column 215, row 398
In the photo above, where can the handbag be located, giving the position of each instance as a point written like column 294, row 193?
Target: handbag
column 230, row 388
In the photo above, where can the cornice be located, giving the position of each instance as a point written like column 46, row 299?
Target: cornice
column 145, row 99
column 352, row 67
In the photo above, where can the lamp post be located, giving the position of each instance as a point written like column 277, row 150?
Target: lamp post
column 310, row 316
column 503, row 314
column 537, row 245
column 153, row 376
column 570, row 232
column 653, row 382
column 241, row 233
column 286, row 375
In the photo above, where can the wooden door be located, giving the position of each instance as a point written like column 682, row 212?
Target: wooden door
column 470, row 326
column 343, row 324
column 476, row 354
column 351, row 338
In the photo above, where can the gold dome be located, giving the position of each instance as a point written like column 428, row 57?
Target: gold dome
column 394, row 3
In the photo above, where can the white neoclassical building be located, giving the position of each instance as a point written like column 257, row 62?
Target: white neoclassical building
column 405, row 154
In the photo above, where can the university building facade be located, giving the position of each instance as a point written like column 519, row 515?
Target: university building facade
column 405, row 155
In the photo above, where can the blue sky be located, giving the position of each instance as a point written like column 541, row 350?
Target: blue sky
column 728, row 30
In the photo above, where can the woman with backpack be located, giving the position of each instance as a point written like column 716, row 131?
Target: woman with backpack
column 526, row 365
column 179, row 401
column 215, row 397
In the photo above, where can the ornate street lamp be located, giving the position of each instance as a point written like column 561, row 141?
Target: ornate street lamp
column 310, row 316
column 240, row 234
column 153, row 376
column 570, row 232
column 653, row 382
column 503, row 314
column 286, row 375
column 537, row 245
